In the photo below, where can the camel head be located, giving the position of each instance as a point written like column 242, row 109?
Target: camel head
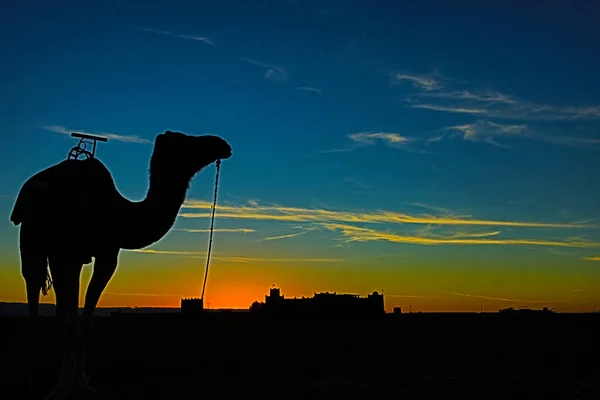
column 177, row 152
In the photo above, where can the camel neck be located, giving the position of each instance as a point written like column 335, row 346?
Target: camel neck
column 152, row 218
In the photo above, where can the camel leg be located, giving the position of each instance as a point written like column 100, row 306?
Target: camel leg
column 66, row 275
column 33, row 268
column 104, row 268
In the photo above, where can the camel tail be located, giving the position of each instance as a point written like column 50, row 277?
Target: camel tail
column 47, row 283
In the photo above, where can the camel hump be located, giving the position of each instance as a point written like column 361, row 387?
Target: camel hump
column 52, row 186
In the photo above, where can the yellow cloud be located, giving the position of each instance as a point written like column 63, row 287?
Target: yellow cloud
column 221, row 230
column 298, row 214
column 474, row 235
column 202, row 254
column 169, row 252
column 595, row 258
column 282, row 260
column 357, row 234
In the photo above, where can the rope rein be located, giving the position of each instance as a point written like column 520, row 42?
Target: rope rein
column 212, row 224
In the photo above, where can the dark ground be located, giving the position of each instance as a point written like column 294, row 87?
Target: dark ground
column 417, row 356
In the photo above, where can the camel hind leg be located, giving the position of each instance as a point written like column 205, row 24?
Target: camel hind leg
column 34, row 269
column 66, row 271
column 34, row 266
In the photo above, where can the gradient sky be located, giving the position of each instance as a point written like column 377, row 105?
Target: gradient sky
column 448, row 154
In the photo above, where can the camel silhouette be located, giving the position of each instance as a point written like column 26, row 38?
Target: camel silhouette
column 71, row 212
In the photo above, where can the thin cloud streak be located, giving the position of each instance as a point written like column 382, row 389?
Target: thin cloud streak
column 489, row 132
column 361, row 139
column 463, row 110
column 509, row 300
column 356, row 234
column 595, row 258
column 430, row 207
column 484, row 97
column 389, row 138
column 340, row 150
column 220, row 230
column 421, row 82
column 310, row 89
column 473, row 235
column 282, row 260
column 109, row 136
column 188, row 37
column 169, row 252
column 283, row 236
column 298, row 214
column 500, row 105
column 272, row 72
column 202, row 255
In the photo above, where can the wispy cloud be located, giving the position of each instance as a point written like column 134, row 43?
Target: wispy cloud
column 346, row 149
column 510, row 300
column 202, row 39
column 422, row 82
column 272, row 72
column 487, row 131
column 299, row 214
column 442, row 210
column 479, row 97
column 282, row 236
column 170, row 252
column 280, row 260
column 389, row 138
column 110, row 136
column 490, row 132
column 452, row 109
column 361, row 139
column 220, row 257
column 473, row 235
column 220, row 230
column 358, row 234
column 310, row 89
column 499, row 105
column 595, row 258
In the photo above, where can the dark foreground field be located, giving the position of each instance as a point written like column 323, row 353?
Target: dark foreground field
column 417, row 356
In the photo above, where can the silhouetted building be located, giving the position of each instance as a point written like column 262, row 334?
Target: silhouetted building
column 397, row 310
column 192, row 306
column 327, row 304
column 525, row 310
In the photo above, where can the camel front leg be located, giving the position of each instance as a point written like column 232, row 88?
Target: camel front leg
column 104, row 268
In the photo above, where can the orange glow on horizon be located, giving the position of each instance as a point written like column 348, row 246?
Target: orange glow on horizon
column 148, row 280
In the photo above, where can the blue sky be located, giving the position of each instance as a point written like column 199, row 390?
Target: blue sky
column 459, row 111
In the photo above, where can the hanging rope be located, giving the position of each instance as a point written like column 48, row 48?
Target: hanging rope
column 212, row 224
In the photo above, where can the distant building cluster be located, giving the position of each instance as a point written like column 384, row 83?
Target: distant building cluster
column 331, row 304
column 525, row 310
